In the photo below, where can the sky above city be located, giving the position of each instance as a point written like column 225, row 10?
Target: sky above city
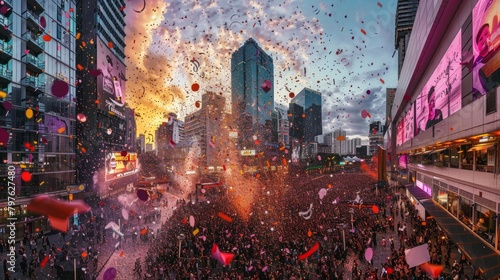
column 343, row 49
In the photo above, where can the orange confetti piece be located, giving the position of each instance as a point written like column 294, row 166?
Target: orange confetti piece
column 97, row 101
column 46, row 38
column 268, row 163
column 285, row 162
column 83, row 150
column 84, row 254
column 363, row 31
column 382, row 81
column 144, row 231
column 225, row 217
column 122, row 254
column 78, row 35
column 84, row 44
column 110, row 45
column 257, row 175
column 195, row 232
column 309, row 233
column 79, row 66
column 61, row 130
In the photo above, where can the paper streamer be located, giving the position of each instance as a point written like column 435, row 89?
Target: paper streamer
column 309, row 252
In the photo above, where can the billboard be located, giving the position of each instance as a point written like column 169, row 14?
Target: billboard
column 409, row 123
column 424, row 187
column 403, row 161
column 485, row 46
column 441, row 95
column 111, row 83
column 401, row 131
column 117, row 165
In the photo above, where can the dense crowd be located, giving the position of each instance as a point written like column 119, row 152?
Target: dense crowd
column 267, row 244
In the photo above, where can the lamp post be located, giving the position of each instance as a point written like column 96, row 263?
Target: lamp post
column 180, row 237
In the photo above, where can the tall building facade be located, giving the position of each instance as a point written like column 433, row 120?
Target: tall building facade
column 390, row 94
column 283, row 124
column 102, row 99
column 252, row 94
column 130, row 129
column 339, row 141
column 405, row 15
column 306, row 115
column 37, row 117
column 206, row 130
column 446, row 125
column 168, row 134
column 352, row 144
column 375, row 137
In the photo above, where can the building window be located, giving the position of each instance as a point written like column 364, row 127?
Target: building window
column 59, row 32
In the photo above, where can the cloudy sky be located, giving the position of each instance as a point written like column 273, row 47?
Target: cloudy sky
column 342, row 48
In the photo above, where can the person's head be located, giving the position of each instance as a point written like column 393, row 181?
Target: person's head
column 431, row 101
column 482, row 39
column 110, row 63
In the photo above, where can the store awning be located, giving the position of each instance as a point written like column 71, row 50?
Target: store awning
column 418, row 153
column 438, row 150
column 426, row 152
column 479, row 147
column 481, row 254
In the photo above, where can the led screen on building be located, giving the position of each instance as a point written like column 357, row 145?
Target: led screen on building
column 424, row 187
column 111, row 82
column 441, row 95
column 118, row 166
column 401, row 131
column 485, row 46
column 409, row 123
column 403, row 161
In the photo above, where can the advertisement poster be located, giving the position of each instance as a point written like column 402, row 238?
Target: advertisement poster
column 111, row 84
column 400, row 133
column 409, row 123
column 403, row 161
column 441, row 95
column 485, row 46
column 118, row 166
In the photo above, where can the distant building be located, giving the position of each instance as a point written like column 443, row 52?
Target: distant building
column 362, row 151
column 168, row 134
column 376, row 137
column 339, row 141
column 311, row 125
column 130, row 130
column 206, row 130
column 283, row 124
column 149, row 147
column 141, row 142
column 352, row 144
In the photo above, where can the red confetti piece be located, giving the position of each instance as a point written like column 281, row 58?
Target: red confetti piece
column 46, row 38
column 363, row 31
column 195, row 87
column 291, row 94
column 44, row 262
column 110, row 45
column 309, row 252
column 144, row 231
column 382, row 81
column 26, row 176
column 379, row 4
column 225, row 217
column 197, row 104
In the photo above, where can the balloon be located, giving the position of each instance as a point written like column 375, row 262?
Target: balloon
column 81, row 117
column 29, row 113
column 26, row 176
column 191, row 221
column 142, row 195
column 368, row 254
column 110, row 274
column 4, row 136
column 125, row 214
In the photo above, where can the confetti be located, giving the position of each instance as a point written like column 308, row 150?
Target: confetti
column 225, row 217
column 309, row 252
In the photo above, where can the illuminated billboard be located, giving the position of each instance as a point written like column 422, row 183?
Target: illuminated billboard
column 111, row 82
column 403, row 161
column 485, row 46
column 118, row 166
column 409, row 123
column 441, row 95
column 401, row 132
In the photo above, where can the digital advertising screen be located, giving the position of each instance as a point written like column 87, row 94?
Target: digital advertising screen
column 118, row 166
column 485, row 46
column 409, row 123
column 441, row 95
column 424, row 187
column 401, row 131
column 111, row 82
column 403, row 161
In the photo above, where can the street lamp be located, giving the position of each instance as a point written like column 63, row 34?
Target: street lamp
column 180, row 237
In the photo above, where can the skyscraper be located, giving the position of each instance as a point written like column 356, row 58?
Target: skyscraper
column 339, row 141
column 405, row 15
column 390, row 94
column 376, row 137
column 307, row 116
column 36, row 122
column 101, row 98
column 252, row 93
column 283, row 124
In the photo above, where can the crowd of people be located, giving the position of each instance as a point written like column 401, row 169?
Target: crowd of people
column 271, row 241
